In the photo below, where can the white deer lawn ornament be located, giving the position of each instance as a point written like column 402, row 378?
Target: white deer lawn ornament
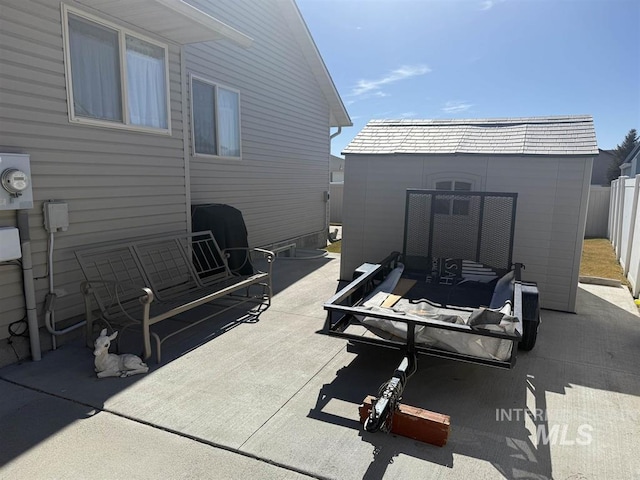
column 112, row 365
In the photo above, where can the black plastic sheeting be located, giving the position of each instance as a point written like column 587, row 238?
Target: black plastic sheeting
column 228, row 228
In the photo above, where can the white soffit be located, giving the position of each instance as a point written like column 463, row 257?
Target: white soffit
column 174, row 20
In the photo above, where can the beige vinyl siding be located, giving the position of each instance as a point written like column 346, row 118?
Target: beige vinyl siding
column 279, row 182
column 550, row 219
column 118, row 183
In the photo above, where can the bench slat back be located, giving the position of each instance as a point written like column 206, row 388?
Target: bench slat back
column 117, row 264
column 166, row 267
column 207, row 258
column 178, row 264
column 169, row 264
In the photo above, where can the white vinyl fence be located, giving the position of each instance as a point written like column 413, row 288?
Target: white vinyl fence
column 598, row 212
column 624, row 227
column 336, row 190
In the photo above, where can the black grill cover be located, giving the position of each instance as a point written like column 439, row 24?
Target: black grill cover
column 229, row 230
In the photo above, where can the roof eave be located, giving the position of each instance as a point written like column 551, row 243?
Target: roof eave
column 493, row 154
column 338, row 116
column 174, row 20
column 633, row 153
column 567, row 135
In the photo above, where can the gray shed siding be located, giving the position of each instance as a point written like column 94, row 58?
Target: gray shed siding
column 118, row 183
column 279, row 182
column 551, row 214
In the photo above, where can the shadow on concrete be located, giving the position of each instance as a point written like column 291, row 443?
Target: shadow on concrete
column 37, row 417
column 507, row 419
column 601, row 337
column 502, row 416
column 286, row 272
column 469, row 394
column 352, row 384
column 41, row 398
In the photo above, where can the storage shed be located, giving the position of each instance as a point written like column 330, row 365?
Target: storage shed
column 547, row 161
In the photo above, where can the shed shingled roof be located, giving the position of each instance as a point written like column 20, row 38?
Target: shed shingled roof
column 557, row 135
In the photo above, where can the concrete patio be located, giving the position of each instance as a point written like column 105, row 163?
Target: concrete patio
column 273, row 399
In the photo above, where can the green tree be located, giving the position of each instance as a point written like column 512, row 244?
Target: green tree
column 621, row 152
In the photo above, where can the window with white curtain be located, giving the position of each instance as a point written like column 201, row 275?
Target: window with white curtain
column 215, row 119
column 115, row 77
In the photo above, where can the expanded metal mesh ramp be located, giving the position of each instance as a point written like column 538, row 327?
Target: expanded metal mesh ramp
column 475, row 226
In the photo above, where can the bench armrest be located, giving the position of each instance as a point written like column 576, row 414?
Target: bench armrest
column 269, row 255
column 146, row 295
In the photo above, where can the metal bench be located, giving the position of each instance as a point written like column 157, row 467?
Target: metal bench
column 146, row 280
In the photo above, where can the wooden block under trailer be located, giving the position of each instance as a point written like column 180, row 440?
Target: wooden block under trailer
column 414, row 422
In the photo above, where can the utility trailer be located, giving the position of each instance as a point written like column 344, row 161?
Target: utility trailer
column 454, row 291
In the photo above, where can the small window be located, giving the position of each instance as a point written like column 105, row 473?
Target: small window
column 97, row 55
column 215, row 119
column 444, row 185
column 455, row 206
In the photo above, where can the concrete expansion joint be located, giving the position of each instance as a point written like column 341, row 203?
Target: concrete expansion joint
column 342, row 348
column 175, row 432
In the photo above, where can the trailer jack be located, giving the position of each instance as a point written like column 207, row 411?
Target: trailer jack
column 389, row 396
column 387, row 414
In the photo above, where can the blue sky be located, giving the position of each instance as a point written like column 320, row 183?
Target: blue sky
column 484, row 58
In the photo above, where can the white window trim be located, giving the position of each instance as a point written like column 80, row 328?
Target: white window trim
column 122, row 32
column 476, row 181
column 216, row 85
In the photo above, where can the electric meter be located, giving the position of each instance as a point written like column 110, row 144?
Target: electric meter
column 14, row 181
column 16, row 192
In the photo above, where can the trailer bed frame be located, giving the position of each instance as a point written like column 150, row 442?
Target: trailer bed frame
column 443, row 229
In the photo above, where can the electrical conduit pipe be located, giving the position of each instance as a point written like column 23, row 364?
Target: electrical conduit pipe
column 29, row 289
column 50, row 302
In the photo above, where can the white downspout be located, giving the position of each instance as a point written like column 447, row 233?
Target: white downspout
column 328, row 209
column 29, row 289
column 186, row 131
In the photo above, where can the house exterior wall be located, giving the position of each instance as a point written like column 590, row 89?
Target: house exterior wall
column 336, row 168
column 631, row 165
column 550, row 218
column 336, row 192
column 117, row 183
column 121, row 184
column 601, row 165
column 279, row 184
column 635, row 164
